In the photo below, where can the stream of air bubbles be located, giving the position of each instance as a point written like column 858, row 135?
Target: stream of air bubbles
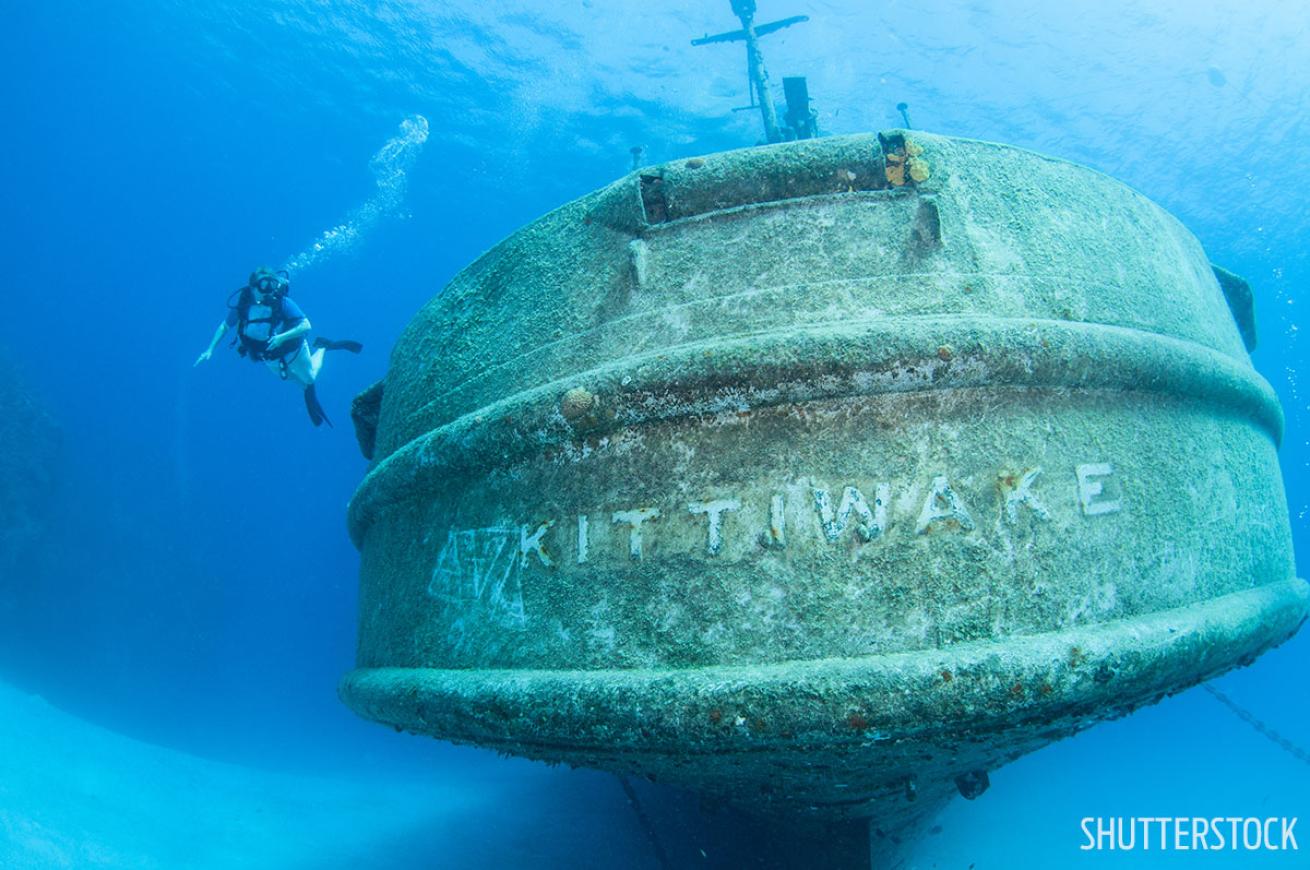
column 390, row 166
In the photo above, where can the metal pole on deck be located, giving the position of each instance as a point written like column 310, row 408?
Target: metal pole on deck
column 750, row 33
column 745, row 10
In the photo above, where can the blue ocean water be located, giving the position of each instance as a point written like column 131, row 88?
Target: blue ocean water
column 199, row 590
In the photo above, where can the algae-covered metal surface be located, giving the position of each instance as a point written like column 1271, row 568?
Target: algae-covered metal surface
column 819, row 476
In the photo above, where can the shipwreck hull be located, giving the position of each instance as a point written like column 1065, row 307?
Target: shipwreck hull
column 817, row 476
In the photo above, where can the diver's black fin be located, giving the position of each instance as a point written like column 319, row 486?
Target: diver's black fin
column 345, row 344
column 317, row 415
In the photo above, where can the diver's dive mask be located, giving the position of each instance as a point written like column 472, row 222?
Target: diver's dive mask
column 270, row 283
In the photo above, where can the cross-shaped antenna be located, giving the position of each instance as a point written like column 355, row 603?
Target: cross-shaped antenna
column 759, row 76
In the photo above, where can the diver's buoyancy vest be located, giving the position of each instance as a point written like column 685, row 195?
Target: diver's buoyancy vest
column 255, row 324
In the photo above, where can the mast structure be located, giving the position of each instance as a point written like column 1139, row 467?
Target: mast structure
column 755, row 69
column 745, row 10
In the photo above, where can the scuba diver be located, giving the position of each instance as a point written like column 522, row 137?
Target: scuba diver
column 271, row 328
